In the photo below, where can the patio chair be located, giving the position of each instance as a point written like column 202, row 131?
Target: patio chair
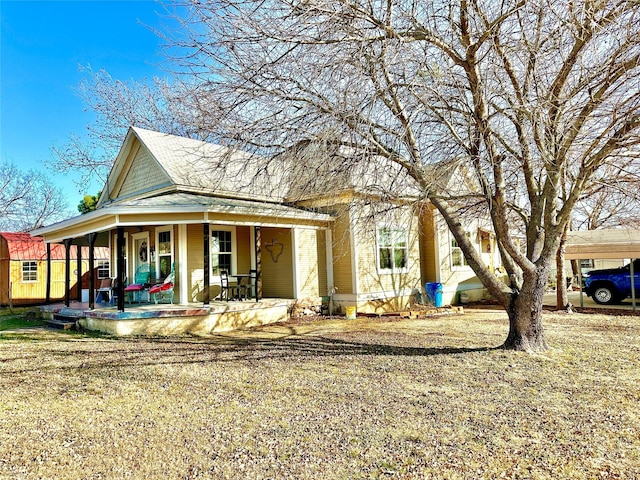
column 164, row 290
column 114, row 290
column 106, row 284
column 252, row 284
column 227, row 291
column 141, row 280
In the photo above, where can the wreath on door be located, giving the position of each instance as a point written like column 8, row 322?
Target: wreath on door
column 142, row 253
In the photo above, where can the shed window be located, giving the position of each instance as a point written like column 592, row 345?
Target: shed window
column 29, row 271
column 103, row 269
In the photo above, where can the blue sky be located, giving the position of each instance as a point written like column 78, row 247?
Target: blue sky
column 42, row 45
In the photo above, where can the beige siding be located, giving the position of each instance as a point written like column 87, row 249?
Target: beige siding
column 277, row 271
column 428, row 246
column 321, row 240
column 195, row 260
column 243, row 246
column 144, row 174
column 342, row 266
column 457, row 278
column 194, row 264
column 311, row 266
column 373, row 281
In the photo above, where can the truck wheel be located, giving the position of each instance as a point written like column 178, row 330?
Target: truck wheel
column 605, row 295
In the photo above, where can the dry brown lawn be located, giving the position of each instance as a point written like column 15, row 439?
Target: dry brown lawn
column 365, row 398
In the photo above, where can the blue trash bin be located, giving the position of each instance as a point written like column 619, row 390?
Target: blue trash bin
column 434, row 293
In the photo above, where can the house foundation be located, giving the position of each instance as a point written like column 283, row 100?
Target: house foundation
column 173, row 319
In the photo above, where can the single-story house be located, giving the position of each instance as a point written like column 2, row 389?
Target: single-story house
column 29, row 275
column 177, row 205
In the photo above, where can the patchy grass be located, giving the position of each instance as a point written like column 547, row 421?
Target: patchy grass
column 18, row 318
column 327, row 399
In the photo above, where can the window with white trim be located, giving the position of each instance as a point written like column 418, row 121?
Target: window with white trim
column 29, row 271
column 222, row 251
column 457, row 256
column 393, row 251
column 165, row 252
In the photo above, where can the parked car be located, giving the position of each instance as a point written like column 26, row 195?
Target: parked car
column 612, row 285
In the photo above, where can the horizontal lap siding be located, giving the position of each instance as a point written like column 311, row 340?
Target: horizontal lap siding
column 311, row 265
column 370, row 279
column 195, row 263
column 243, row 245
column 342, row 266
column 36, row 292
column 428, row 246
column 277, row 271
column 195, row 260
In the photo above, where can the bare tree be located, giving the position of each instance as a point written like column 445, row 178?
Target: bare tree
column 155, row 104
column 521, row 93
column 28, row 200
column 611, row 201
column 613, row 198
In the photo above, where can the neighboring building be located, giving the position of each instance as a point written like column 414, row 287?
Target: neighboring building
column 201, row 208
column 23, row 269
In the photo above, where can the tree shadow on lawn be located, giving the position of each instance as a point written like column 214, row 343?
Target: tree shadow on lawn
column 149, row 351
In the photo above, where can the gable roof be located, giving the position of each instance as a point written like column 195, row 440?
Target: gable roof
column 23, row 246
column 193, row 166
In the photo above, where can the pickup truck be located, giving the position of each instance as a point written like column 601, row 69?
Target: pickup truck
column 612, row 285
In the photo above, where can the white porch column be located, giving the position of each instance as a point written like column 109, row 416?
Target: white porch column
column 182, row 268
column 294, row 262
column 329, row 254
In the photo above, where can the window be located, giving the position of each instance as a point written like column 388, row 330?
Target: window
column 392, row 248
column 165, row 253
column 29, row 271
column 221, row 251
column 586, row 263
column 457, row 257
column 103, row 269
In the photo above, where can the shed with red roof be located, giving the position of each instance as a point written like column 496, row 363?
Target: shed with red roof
column 23, row 268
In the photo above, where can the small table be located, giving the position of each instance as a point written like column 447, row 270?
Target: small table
column 238, row 286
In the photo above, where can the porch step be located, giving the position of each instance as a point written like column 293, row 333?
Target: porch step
column 62, row 322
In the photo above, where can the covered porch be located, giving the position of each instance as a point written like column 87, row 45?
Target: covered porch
column 194, row 239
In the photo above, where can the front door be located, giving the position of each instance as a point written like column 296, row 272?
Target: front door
column 140, row 257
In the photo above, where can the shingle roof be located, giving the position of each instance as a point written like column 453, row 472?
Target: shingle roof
column 204, row 166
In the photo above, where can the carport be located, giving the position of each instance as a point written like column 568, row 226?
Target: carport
column 618, row 244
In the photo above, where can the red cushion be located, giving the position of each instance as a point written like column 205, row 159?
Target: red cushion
column 161, row 287
column 134, row 287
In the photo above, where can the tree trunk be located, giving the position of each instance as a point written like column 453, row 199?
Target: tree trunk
column 525, row 315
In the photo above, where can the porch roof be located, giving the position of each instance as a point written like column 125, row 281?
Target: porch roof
column 603, row 244
column 182, row 208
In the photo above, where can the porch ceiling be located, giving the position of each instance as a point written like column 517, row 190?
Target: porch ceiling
column 182, row 208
